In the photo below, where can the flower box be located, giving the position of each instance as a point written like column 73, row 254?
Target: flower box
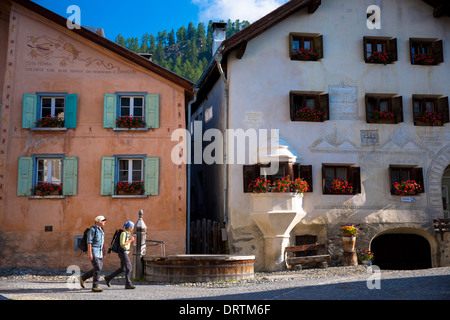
column 383, row 121
column 304, row 55
column 437, row 123
column 424, row 59
column 50, row 122
column 429, row 119
column 380, row 57
column 283, row 185
column 130, row 188
column 308, row 114
column 340, row 186
column 44, row 189
column 130, row 122
column 404, row 188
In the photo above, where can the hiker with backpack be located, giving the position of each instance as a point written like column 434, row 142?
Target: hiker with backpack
column 121, row 245
column 94, row 240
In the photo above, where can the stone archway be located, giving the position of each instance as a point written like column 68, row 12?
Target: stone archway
column 403, row 248
column 434, row 182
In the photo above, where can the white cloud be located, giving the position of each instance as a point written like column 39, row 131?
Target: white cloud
column 250, row 10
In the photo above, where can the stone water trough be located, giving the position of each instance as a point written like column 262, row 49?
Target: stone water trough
column 198, row 268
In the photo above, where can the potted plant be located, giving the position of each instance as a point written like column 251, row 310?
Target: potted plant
column 382, row 117
column 130, row 122
column 47, row 189
column 50, row 122
column 340, row 186
column 282, row 185
column 299, row 185
column 366, row 257
column 427, row 118
column 384, row 57
column 304, row 54
column 130, row 188
column 409, row 187
column 424, row 59
column 349, row 233
column 259, row 186
column 349, row 230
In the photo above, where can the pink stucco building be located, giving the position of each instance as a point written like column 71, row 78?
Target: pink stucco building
column 83, row 83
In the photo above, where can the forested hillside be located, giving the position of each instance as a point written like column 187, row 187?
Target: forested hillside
column 186, row 51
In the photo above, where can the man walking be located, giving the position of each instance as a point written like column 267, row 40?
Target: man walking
column 95, row 240
column 126, row 238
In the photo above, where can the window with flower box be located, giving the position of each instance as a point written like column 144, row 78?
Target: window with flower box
column 406, row 180
column 305, row 46
column 47, row 175
column 294, row 170
column 380, row 50
column 430, row 110
column 309, row 106
column 131, row 110
column 130, row 175
column 426, row 51
column 341, row 179
column 384, row 108
column 49, row 111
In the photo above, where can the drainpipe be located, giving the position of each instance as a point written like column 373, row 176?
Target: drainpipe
column 188, row 183
column 218, row 57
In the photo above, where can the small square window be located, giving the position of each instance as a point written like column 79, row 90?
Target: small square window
column 426, row 51
column 380, row 50
column 341, row 179
column 308, row 106
column 400, row 176
column 384, row 108
column 305, row 46
column 430, row 110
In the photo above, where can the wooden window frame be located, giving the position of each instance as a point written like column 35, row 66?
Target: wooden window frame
column 131, row 106
column 440, row 105
column 315, row 39
column 395, row 105
column 353, row 176
column 433, row 47
column 389, row 44
column 321, row 102
column 294, row 170
column 414, row 173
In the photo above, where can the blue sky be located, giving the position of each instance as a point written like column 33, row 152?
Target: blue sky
column 133, row 18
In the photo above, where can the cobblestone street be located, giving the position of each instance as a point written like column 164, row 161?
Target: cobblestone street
column 333, row 283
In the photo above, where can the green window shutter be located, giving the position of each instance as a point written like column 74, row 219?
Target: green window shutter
column 70, row 115
column 29, row 110
column 109, row 110
column 151, row 179
column 152, row 110
column 108, row 171
column 25, row 176
column 70, row 175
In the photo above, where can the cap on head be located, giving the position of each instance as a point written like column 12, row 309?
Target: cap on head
column 128, row 224
column 100, row 218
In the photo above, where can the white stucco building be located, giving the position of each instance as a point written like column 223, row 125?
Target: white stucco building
column 258, row 82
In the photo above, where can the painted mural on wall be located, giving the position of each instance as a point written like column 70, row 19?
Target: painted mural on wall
column 47, row 54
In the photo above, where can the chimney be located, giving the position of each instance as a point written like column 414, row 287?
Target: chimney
column 219, row 34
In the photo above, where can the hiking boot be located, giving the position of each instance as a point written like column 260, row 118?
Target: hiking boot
column 129, row 286
column 108, row 282
column 97, row 289
column 82, row 283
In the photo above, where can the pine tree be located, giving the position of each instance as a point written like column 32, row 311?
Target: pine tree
column 186, row 52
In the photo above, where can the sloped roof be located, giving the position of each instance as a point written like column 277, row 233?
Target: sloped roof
column 187, row 85
column 239, row 40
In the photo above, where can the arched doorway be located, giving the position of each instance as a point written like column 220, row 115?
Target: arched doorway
column 401, row 251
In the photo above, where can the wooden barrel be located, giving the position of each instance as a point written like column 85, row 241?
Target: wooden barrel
column 198, row 268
